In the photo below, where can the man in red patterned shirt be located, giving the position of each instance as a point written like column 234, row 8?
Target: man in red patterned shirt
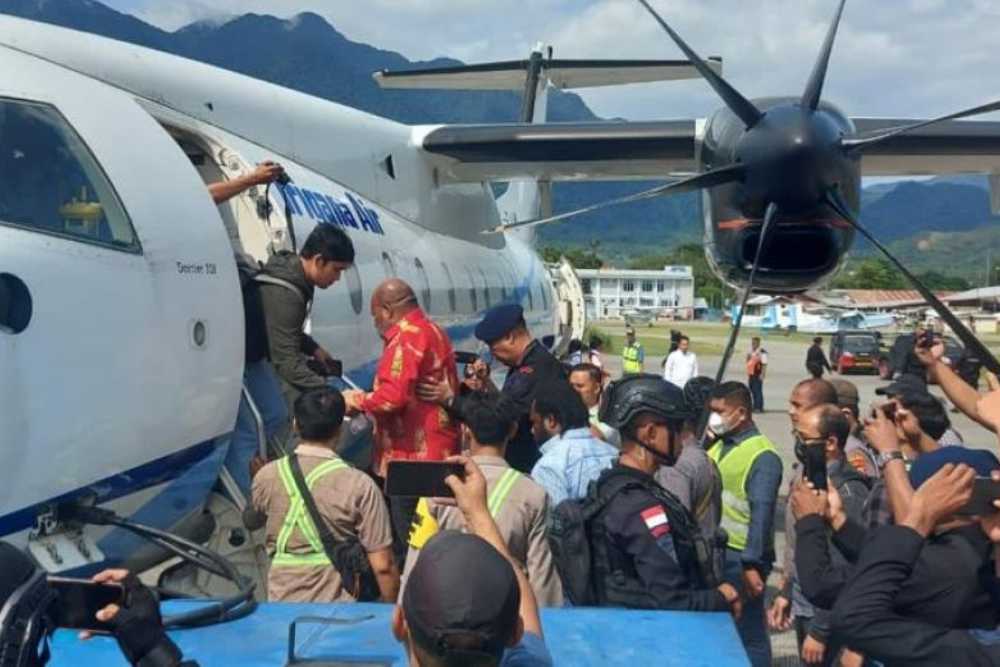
column 416, row 350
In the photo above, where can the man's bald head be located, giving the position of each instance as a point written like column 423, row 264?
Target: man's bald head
column 391, row 300
column 809, row 393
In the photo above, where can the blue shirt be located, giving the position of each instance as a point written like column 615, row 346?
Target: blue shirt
column 530, row 652
column 570, row 462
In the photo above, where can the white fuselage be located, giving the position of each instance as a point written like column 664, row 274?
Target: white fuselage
column 108, row 391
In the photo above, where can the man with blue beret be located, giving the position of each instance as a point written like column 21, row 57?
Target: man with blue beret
column 529, row 366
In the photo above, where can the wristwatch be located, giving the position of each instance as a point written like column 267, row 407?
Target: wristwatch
column 884, row 457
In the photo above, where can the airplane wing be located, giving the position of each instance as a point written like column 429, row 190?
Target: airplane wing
column 561, row 151
column 950, row 147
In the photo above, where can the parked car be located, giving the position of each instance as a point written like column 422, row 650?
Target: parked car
column 855, row 351
column 899, row 360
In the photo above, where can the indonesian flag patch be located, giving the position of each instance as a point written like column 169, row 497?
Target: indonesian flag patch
column 656, row 521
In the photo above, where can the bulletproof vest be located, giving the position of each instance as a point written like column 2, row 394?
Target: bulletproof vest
column 616, row 582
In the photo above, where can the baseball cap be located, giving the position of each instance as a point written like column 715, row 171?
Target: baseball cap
column 847, row 393
column 498, row 321
column 461, row 598
column 980, row 460
column 904, row 384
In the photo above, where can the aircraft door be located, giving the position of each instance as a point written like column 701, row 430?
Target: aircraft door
column 121, row 329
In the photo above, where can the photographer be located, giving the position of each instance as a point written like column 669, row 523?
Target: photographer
column 29, row 608
column 867, row 614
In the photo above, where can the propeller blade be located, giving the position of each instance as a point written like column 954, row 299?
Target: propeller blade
column 836, row 201
column 814, row 88
column 860, row 144
column 707, row 179
column 738, row 104
column 769, row 216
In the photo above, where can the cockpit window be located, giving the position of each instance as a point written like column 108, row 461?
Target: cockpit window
column 51, row 183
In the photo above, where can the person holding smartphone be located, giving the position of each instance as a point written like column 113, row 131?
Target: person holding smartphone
column 821, row 434
column 32, row 607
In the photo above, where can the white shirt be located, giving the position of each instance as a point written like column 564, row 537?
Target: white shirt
column 680, row 367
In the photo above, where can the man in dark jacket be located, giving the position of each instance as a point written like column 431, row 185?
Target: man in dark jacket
column 529, row 366
column 868, row 615
column 827, row 427
column 325, row 255
column 816, row 361
column 644, row 532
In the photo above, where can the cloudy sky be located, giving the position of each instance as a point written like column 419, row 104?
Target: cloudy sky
column 902, row 58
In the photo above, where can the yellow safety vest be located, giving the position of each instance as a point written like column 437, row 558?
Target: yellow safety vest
column 425, row 526
column 298, row 517
column 630, row 359
column 734, row 470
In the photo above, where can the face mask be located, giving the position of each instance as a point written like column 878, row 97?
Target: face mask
column 718, row 424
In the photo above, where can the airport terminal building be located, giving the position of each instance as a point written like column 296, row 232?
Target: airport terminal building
column 611, row 293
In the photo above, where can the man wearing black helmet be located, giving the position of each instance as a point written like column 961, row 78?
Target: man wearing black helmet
column 656, row 557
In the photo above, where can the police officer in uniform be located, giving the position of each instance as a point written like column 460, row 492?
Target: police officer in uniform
column 647, row 550
column 633, row 355
column 529, row 365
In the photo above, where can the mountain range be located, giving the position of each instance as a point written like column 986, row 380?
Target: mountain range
column 942, row 223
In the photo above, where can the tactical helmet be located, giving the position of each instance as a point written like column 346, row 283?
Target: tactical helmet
column 634, row 395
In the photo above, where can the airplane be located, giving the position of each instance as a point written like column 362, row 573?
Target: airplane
column 121, row 320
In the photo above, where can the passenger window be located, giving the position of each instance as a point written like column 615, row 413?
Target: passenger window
column 353, row 277
column 505, row 294
column 50, row 182
column 452, row 297
column 473, row 296
column 425, row 284
column 486, row 289
column 388, row 266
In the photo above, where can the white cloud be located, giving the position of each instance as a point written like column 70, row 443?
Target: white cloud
column 900, row 58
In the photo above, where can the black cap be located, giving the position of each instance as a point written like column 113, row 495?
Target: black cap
column 643, row 393
column 498, row 321
column 461, row 597
column 904, row 384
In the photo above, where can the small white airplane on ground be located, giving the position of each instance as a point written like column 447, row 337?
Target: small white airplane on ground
column 121, row 326
column 121, row 323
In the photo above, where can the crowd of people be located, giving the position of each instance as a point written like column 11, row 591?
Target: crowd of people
column 652, row 491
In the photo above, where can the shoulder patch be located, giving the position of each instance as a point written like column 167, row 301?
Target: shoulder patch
column 424, row 526
column 656, row 520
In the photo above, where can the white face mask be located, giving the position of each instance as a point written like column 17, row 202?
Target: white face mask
column 717, row 424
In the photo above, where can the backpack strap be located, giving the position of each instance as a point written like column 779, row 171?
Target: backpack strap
column 268, row 279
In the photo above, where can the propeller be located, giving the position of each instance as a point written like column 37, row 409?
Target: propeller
column 814, row 87
column 739, row 105
column 836, row 201
column 860, row 144
column 727, row 174
column 769, row 216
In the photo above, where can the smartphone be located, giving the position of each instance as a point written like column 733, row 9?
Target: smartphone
column 984, row 492
column 814, row 467
column 421, row 478
column 79, row 600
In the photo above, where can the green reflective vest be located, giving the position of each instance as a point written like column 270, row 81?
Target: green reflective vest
column 734, row 469
column 298, row 518
column 632, row 358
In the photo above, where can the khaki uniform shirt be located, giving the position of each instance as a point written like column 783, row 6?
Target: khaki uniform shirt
column 350, row 503
column 521, row 520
